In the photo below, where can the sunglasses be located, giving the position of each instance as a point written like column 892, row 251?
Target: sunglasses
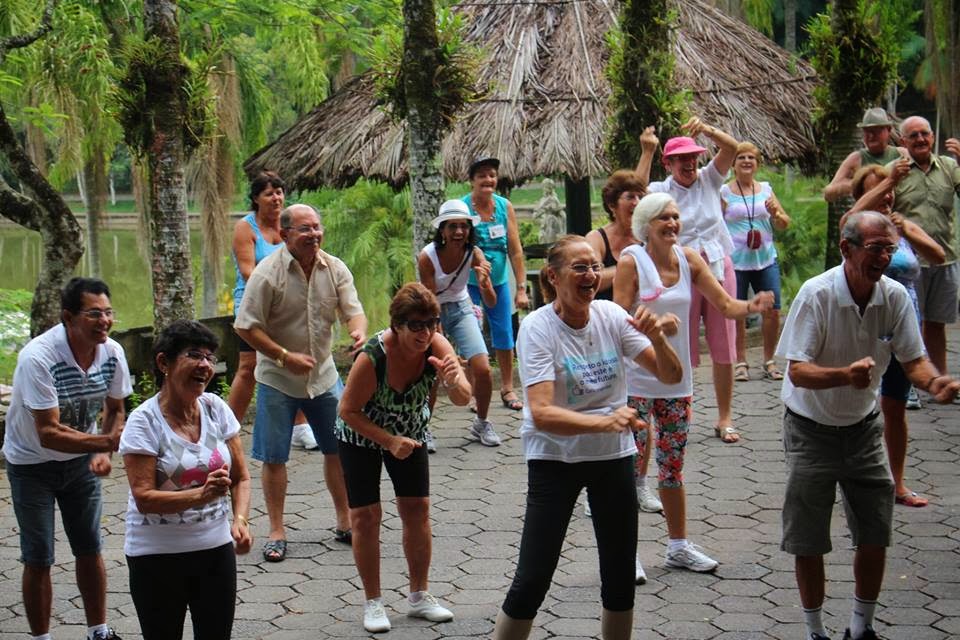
column 419, row 325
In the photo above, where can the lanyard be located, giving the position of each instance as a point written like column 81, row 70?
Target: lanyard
column 752, row 209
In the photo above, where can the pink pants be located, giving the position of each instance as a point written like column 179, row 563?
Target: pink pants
column 721, row 332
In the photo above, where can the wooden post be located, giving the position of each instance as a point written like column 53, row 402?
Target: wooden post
column 579, row 218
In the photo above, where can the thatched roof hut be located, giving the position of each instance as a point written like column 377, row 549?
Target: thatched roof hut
column 547, row 111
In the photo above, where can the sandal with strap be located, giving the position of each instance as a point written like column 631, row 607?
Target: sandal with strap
column 514, row 403
column 770, row 370
column 911, row 499
column 275, row 550
column 728, row 435
column 741, row 372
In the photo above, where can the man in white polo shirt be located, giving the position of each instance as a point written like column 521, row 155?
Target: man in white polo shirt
column 842, row 330
column 65, row 379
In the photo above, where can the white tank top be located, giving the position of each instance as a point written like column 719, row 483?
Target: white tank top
column 675, row 300
column 451, row 287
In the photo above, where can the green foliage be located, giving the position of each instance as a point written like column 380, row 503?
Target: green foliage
column 149, row 58
column 855, row 51
column 368, row 227
column 529, row 233
column 144, row 388
column 759, row 15
column 641, row 78
column 14, row 328
column 458, row 65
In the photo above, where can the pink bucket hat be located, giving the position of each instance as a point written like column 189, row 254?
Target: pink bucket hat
column 681, row 145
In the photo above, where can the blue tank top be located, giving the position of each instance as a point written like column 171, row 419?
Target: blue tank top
column 905, row 269
column 495, row 248
column 261, row 249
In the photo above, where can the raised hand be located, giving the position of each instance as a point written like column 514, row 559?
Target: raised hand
column 448, row 369
column 649, row 140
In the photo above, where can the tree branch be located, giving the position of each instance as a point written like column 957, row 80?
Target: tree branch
column 20, row 41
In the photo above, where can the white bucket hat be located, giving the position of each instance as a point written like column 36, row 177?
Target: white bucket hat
column 454, row 210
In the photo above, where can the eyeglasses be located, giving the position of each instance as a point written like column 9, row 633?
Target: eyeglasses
column 877, row 248
column 582, row 269
column 197, row 356
column 919, row 134
column 307, row 228
column 97, row 314
column 419, row 325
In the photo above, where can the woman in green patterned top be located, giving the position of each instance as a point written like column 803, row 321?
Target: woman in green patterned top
column 384, row 413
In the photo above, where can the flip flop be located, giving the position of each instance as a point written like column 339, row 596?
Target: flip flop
column 343, row 535
column 911, row 499
column 514, row 403
column 728, row 435
column 275, row 550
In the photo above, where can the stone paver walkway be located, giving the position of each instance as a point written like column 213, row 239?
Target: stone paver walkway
column 734, row 497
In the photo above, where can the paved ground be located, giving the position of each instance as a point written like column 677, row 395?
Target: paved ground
column 734, row 496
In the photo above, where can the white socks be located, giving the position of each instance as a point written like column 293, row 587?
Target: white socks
column 676, row 545
column 862, row 616
column 814, row 621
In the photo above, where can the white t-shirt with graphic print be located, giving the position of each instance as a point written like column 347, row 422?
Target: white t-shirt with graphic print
column 181, row 464
column 586, row 367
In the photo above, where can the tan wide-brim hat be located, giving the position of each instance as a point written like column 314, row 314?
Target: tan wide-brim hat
column 876, row 117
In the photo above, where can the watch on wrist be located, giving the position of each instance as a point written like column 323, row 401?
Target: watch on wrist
column 282, row 358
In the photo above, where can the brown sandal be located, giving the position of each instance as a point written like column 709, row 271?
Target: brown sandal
column 514, row 403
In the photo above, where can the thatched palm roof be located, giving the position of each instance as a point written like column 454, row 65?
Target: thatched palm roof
column 548, row 108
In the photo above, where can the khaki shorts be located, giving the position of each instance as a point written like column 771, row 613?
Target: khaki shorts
column 819, row 457
column 937, row 292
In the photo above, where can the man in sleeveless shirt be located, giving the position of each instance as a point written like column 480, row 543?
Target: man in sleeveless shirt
column 876, row 126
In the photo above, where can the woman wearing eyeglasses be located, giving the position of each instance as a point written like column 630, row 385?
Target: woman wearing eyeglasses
column 445, row 266
column 873, row 188
column 577, row 433
column 384, row 412
column 184, row 461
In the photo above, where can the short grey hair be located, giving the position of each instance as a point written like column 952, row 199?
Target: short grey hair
column 912, row 119
column 286, row 216
column 649, row 207
column 853, row 227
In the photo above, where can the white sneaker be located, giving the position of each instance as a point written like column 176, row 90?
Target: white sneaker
column 429, row 442
column 913, row 400
column 641, row 575
column 483, row 431
column 428, row 608
column 647, row 500
column 691, row 557
column 303, row 437
column 375, row 619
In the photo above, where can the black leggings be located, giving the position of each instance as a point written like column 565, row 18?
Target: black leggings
column 163, row 585
column 552, row 493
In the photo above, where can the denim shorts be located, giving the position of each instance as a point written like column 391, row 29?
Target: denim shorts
column 767, row 279
column 500, row 317
column 462, row 327
column 894, row 383
column 35, row 487
column 273, row 426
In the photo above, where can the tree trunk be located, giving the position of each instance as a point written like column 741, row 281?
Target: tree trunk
column 790, row 25
column 166, row 189
column 47, row 213
column 95, row 179
column 424, row 121
column 579, row 215
column 942, row 22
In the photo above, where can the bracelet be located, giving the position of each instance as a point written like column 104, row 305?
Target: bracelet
column 282, row 358
column 242, row 520
column 447, row 386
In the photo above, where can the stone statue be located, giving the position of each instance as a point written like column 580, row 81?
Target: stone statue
column 549, row 214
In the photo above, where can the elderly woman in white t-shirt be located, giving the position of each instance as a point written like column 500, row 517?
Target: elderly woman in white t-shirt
column 577, row 432
column 183, row 456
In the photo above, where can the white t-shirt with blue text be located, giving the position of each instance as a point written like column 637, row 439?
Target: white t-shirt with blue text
column 586, row 367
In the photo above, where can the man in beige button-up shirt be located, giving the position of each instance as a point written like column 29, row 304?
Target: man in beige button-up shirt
column 291, row 302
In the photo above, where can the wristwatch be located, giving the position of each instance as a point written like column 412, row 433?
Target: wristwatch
column 282, row 358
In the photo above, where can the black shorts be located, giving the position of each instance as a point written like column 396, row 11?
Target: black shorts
column 361, row 471
column 243, row 347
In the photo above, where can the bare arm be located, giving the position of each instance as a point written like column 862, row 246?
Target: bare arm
column 142, row 475
column 243, row 241
column 659, row 359
column 299, row 363
column 714, row 292
column 809, row 375
column 928, row 248
column 113, row 417
column 515, row 251
column 482, row 268
column 625, row 283
column 648, row 149
column 778, row 216
column 564, row 422
column 357, row 328
column 840, row 186
column 427, row 275
column 239, row 496
column 726, row 144
column 924, row 375
column 449, row 374
column 61, row 437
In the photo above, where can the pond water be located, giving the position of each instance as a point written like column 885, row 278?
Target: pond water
column 123, row 267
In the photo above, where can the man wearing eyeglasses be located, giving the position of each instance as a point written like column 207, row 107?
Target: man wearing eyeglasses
column 64, row 379
column 291, row 302
column 843, row 327
column 926, row 196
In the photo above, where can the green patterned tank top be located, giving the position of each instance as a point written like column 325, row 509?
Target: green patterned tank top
column 402, row 413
